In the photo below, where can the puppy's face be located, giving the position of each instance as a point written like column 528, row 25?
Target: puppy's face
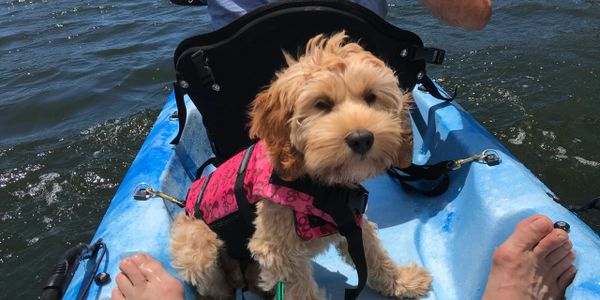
column 335, row 114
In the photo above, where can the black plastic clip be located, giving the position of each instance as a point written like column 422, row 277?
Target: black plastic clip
column 205, row 73
column 430, row 55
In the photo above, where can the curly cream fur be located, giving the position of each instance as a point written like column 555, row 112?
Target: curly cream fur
column 302, row 138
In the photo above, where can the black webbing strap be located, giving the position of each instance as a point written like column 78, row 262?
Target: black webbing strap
column 355, row 199
column 335, row 205
column 244, row 207
column 181, row 111
column 433, row 90
column 342, row 204
column 418, row 172
column 429, row 54
column 197, row 211
column 429, row 180
column 211, row 161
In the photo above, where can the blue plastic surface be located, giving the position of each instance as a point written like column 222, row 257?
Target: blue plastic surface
column 452, row 235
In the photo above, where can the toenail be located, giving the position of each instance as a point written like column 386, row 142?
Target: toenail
column 561, row 236
column 540, row 225
column 125, row 261
column 569, row 244
column 139, row 258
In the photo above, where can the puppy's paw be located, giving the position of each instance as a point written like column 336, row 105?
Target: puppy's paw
column 411, row 282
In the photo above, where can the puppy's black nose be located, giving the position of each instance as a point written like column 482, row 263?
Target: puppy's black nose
column 360, row 141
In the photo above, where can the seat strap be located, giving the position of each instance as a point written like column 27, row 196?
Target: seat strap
column 181, row 111
column 429, row 180
column 433, row 89
column 211, row 161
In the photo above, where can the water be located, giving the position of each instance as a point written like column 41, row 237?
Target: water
column 81, row 83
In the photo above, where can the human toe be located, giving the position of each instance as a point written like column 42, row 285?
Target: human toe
column 564, row 264
column 552, row 241
column 132, row 272
column 558, row 254
column 529, row 232
column 160, row 281
column 140, row 258
column 124, row 285
column 151, row 268
column 567, row 277
column 116, row 294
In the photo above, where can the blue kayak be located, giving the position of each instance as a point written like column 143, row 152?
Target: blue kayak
column 452, row 235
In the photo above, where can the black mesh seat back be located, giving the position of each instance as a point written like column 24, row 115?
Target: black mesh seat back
column 225, row 69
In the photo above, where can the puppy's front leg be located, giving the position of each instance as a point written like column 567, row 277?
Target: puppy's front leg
column 384, row 275
column 281, row 255
column 297, row 276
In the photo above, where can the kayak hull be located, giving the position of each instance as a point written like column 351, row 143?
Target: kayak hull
column 452, row 235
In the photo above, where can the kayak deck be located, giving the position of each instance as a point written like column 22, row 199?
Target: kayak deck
column 452, row 235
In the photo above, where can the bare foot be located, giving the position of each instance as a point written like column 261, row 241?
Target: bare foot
column 144, row 278
column 535, row 262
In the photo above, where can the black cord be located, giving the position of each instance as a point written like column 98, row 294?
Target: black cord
column 592, row 204
column 94, row 251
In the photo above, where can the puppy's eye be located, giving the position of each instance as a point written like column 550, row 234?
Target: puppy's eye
column 369, row 97
column 323, row 104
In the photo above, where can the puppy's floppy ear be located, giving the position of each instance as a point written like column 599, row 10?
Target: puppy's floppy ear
column 405, row 151
column 269, row 121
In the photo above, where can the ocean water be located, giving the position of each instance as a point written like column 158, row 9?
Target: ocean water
column 82, row 81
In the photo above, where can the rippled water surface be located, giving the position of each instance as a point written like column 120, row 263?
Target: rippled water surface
column 82, row 81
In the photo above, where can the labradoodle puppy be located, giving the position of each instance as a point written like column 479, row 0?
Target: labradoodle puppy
column 333, row 118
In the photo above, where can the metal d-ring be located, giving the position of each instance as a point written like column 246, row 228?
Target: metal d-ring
column 141, row 193
column 491, row 157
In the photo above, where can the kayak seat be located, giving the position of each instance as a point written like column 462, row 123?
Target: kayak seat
column 222, row 71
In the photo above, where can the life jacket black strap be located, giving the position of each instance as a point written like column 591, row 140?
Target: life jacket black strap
column 342, row 204
column 335, row 205
column 244, row 207
column 355, row 198
column 197, row 211
column 181, row 111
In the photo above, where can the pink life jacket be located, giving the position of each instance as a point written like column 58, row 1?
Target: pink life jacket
column 225, row 200
column 213, row 198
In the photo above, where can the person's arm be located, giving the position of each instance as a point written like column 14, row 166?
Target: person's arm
column 467, row 14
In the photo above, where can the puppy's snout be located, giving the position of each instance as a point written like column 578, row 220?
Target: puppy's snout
column 360, row 141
